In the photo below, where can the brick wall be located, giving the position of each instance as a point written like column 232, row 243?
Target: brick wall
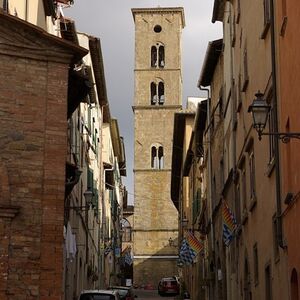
column 33, row 148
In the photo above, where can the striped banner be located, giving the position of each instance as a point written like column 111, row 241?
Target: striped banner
column 229, row 224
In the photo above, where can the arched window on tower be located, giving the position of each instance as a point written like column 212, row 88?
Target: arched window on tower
column 153, row 157
column 157, row 92
column 161, row 56
column 161, row 93
column 157, row 157
column 153, row 57
column 160, row 157
column 153, row 89
column 158, row 56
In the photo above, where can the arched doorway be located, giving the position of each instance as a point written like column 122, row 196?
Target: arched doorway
column 294, row 285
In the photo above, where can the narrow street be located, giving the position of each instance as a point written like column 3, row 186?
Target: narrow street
column 150, row 295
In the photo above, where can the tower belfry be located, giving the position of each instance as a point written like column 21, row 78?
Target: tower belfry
column 157, row 96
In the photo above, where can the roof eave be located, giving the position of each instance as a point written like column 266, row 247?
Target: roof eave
column 213, row 52
column 218, row 10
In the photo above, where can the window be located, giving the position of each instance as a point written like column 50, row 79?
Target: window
column 267, row 18
column 238, row 11
column 158, row 56
column 233, row 31
column 255, row 261
column 275, row 237
column 221, row 174
column 126, row 228
column 284, row 17
column 154, row 98
column 157, row 28
column 267, row 13
column 238, row 205
column 157, row 91
column 5, row 6
column 196, row 204
column 247, row 281
column 214, row 192
column 157, row 157
column 153, row 57
column 245, row 75
column 161, row 93
column 268, row 282
column 271, row 124
column 239, row 93
column 252, row 178
column 294, row 285
column 243, row 192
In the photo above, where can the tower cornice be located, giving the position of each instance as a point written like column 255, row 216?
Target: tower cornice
column 149, row 107
column 160, row 10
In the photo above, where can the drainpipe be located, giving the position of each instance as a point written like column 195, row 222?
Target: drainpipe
column 26, row 10
column 229, row 291
column 280, row 241
column 209, row 160
column 209, row 170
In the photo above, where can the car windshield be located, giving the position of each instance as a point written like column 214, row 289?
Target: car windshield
column 97, row 297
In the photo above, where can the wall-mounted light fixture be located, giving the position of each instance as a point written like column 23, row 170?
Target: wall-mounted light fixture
column 88, row 195
column 260, row 110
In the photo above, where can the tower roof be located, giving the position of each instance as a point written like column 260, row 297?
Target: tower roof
column 160, row 10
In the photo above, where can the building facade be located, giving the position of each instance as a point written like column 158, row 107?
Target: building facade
column 288, row 93
column 33, row 158
column 188, row 187
column 62, row 157
column 253, row 263
column 158, row 89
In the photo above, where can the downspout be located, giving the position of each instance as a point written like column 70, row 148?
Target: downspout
column 209, row 196
column 26, row 10
column 209, row 160
column 280, row 241
column 229, row 291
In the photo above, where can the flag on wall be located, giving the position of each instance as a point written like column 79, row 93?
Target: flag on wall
column 186, row 253
column 229, row 224
column 195, row 244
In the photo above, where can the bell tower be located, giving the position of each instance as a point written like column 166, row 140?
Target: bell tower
column 157, row 96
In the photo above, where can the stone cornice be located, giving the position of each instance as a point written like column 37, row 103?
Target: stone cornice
column 149, row 107
column 151, row 170
column 154, row 70
column 160, row 10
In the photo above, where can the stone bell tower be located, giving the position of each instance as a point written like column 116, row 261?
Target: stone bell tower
column 158, row 95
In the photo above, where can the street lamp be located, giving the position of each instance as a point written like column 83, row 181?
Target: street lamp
column 88, row 195
column 260, row 110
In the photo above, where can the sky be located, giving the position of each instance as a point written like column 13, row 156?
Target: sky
column 112, row 22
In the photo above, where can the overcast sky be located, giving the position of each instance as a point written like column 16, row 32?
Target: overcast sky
column 112, row 22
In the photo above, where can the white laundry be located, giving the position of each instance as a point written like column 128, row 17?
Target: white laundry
column 70, row 241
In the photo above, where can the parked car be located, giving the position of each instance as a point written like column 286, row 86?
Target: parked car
column 125, row 292
column 99, row 295
column 168, row 286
